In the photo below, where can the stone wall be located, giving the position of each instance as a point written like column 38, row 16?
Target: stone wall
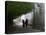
column 38, row 22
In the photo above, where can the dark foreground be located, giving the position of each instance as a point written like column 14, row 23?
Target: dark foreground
column 13, row 30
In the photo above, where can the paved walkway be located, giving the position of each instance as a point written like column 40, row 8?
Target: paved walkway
column 23, row 30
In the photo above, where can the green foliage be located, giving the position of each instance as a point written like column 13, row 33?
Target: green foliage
column 18, row 8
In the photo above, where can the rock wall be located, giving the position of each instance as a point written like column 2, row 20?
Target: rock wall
column 38, row 22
